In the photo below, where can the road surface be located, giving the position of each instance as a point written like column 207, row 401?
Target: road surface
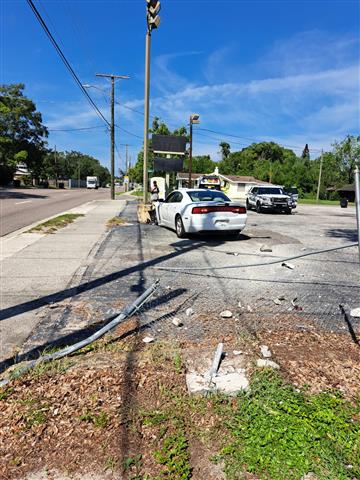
column 22, row 207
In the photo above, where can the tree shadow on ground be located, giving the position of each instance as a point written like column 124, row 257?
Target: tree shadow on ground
column 346, row 233
column 4, row 194
column 82, row 334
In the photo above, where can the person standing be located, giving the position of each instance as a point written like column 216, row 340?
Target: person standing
column 155, row 192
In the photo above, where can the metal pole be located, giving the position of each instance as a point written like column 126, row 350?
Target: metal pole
column 112, row 141
column 190, row 152
column 56, row 167
column 126, row 169
column 320, row 173
column 146, row 114
column 357, row 203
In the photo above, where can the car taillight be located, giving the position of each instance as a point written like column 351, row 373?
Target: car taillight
column 219, row 208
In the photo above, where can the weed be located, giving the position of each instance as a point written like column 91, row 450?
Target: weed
column 36, row 413
column 115, row 222
column 155, row 417
column 174, row 455
column 178, row 363
column 52, row 225
column 111, row 463
column 16, row 461
column 99, row 420
column 53, row 367
column 5, row 394
column 130, row 462
column 282, row 434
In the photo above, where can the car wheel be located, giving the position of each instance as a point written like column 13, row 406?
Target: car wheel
column 288, row 211
column 258, row 207
column 179, row 227
column 247, row 204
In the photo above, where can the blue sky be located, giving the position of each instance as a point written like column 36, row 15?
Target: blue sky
column 285, row 70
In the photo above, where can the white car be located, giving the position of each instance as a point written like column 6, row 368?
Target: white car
column 190, row 210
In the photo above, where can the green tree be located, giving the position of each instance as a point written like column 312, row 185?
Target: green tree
column 200, row 164
column 348, row 153
column 22, row 134
column 225, row 149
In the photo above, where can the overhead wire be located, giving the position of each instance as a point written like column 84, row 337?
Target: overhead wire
column 65, row 61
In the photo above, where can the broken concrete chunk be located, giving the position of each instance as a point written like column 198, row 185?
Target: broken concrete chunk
column 265, row 351
column 177, row 322
column 226, row 314
column 261, row 363
column 277, row 301
column 237, row 352
column 148, row 339
column 249, row 309
column 265, row 248
column 288, row 265
column 355, row 312
column 189, row 312
column 54, row 305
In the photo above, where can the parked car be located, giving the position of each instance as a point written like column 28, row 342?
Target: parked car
column 293, row 192
column 269, row 198
column 191, row 210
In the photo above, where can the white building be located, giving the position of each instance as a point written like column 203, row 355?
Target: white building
column 235, row 186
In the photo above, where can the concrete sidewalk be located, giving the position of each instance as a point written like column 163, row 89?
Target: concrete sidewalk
column 34, row 266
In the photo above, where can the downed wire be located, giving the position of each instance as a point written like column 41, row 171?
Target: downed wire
column 282, row 260
column 127, row 312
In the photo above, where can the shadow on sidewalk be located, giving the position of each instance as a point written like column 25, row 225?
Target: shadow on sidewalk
column 80, row 335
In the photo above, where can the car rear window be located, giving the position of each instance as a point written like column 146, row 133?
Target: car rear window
column 208, row 196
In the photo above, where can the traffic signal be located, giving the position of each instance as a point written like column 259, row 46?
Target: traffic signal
column 153, row 19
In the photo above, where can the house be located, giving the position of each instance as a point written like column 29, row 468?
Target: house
column 235, row 186
column 347, row 191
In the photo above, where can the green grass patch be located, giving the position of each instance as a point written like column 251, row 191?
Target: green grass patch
column 279, row 433
column 137, row 193
column 312, row 201
column 52, row 225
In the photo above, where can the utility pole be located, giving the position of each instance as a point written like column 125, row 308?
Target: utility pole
column 194, row 118
column 112, row 127
column 320, row 173
column 153, row 21
column 126, row 168
column 357, row 203
column 56, row 168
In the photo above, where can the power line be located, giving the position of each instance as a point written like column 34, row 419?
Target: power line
column 64, row 60
column 74, row 129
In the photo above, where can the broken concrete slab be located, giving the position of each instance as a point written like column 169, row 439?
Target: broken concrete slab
column 265, row 351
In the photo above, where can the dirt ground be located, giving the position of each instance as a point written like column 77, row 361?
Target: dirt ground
column 108, row 411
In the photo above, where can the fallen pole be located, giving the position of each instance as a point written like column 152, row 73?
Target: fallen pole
column 127, row 312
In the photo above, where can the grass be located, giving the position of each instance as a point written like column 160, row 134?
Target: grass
column 137, row 193
column 115, row 222
column 52, row 225
column 312, row 201
column 279, row 433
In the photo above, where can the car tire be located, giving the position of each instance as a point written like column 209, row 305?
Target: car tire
column 247, row 204
column 258, row 207
column 288, row 211
column 179, row 227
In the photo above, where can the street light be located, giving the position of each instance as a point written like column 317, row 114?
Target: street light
column 153, row 21
column 194, row 119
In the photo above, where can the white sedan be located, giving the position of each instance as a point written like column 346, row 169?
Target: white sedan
column 190, row 210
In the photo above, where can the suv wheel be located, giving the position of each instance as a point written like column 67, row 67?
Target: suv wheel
column 247, row 204
column 258, row 207
column 179, row 227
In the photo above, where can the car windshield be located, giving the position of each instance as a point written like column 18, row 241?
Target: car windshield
column 270, row 191
column 292, row 190
column 208, row 196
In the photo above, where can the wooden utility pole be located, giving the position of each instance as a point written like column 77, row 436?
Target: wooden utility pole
column 320, row 173
column 56, row 167
column 112, row 127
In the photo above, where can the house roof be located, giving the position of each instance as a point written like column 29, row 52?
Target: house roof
column 185, row 175
column 243, row 179
column 347, row 188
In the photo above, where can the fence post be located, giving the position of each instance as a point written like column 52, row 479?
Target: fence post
column 357, row 202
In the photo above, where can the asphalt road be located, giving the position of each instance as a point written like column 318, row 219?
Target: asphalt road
column 22, row 207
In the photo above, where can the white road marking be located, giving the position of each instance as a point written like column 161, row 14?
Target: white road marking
column 25, row 201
